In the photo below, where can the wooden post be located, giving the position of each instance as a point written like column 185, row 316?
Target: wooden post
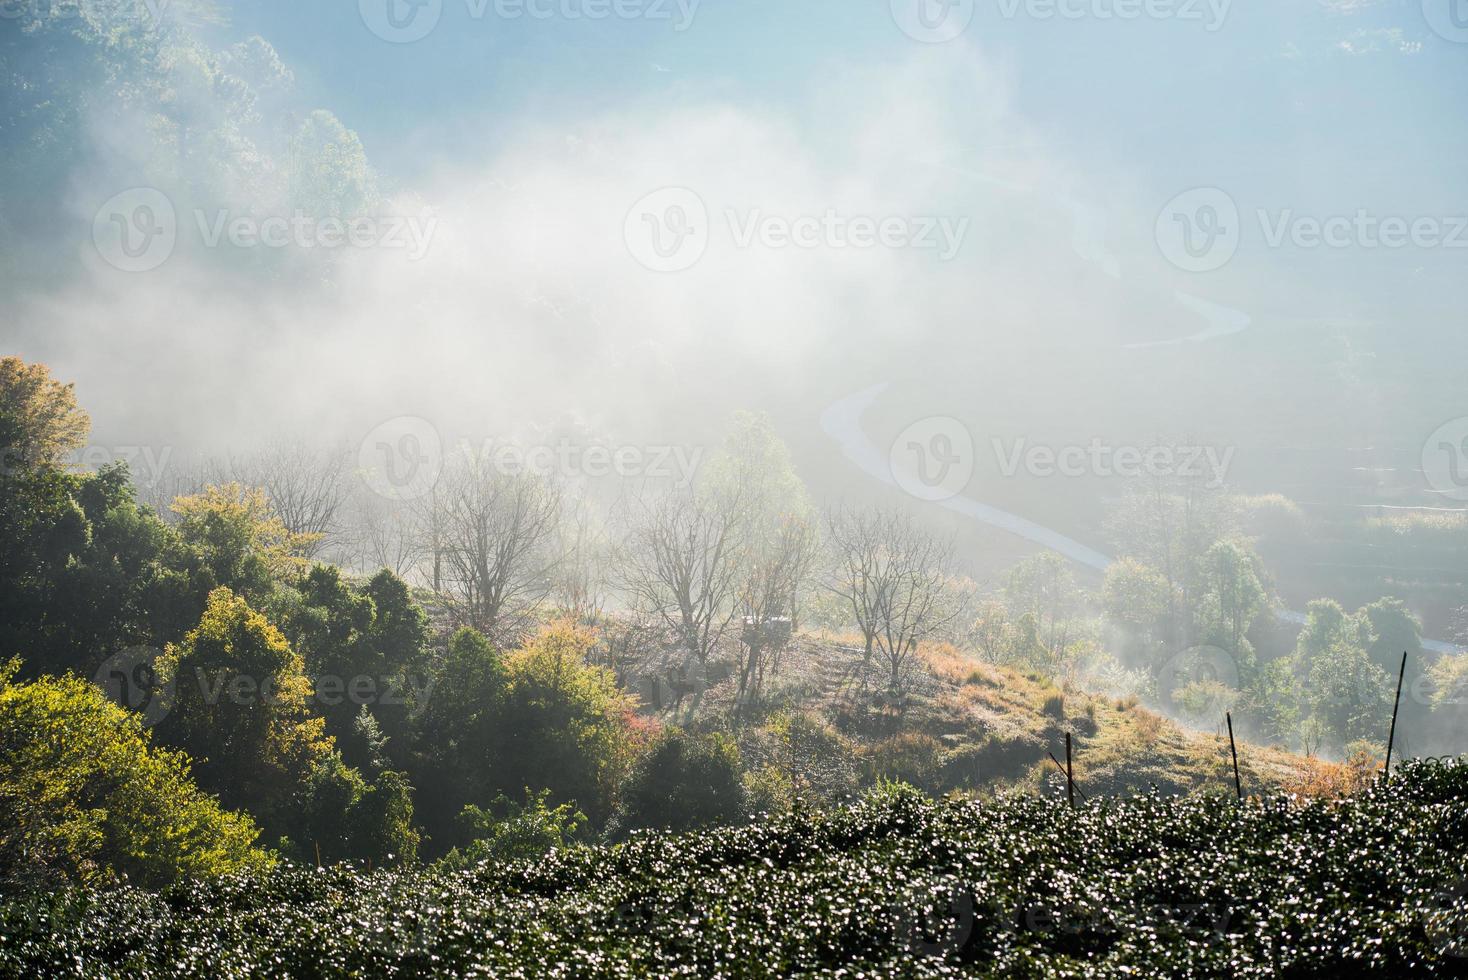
column 1070, row 779
column 318, row 853
column 1234, row 750
column 1392, row 735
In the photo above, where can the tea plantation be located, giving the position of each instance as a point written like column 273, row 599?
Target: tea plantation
column 895, row 885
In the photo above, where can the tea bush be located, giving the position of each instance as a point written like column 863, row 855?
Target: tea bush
column 894, row 885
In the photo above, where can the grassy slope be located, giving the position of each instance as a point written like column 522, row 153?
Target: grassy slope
column 975, row 726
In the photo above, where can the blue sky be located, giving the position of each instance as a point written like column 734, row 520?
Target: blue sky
column 1276, row 88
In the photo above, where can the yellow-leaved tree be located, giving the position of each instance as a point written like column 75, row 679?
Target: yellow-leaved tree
column 239, row 702
column 85, row 796
column 241, row 539
column 40, row 422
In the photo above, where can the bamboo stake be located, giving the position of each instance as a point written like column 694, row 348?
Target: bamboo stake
column 1070, row 779
column 1392, row 735
column 1234, row 750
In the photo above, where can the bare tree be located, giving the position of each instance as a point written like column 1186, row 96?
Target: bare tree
column 858, row 570
column 430, row 522
column 182, row 478
column 497, row 536
column 382, row 533
column 894, row 577
column 679, row 562
column 581, row 578
column 776, row 562
column 306, row 487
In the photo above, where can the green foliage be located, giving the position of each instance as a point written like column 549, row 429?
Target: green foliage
column 1339, row 693
column 542, row 718
column 563, row 722
column 911, row 758
column 360, row 644
column 342, row 817
column 86, row 571
column 85, row 796
column 1233, row 596
column 239, row 705
column 458, row 732
column 684, row 781
column 513, row 831
column 1348, row 694
column 895, row 886
column 1137, row 599
column 240, row 539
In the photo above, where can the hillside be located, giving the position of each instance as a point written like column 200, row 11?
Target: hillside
column 964, row 725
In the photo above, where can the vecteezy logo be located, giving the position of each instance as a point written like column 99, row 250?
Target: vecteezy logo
column 942, row 930
column 135, row 230
column 933, row 459
column 932, row 21
column 1447, row 18
column 400, row 21
column 1447, row 920
column 130, row 679
column 1198, row 231
column 401, row 458
column 667, row 230
column 1445, row 459
column 1196, row 665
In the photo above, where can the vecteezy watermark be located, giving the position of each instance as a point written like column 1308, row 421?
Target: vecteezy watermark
column 1194, row 667
column 936, row 21
column 129, row 679
column 669, row 230
column 411, row 232
column 1445, row 459
column 1447, row 18
column 405, row 21
column 940, row 928
column 932, row 21
column 934, row 459
column 952, row 922
column 1446, row 922
column 145, row 464
column 1200, row 230
column 138, row 229
column 1098, row 458
column 595, row 461
column 1199, row 919
column 1210, row 13
column 135, row 230
column 834, row 230
column 401, row 459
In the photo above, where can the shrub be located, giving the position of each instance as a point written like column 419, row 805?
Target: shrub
column 85, row 796
column 912, row 758
column 685, row 781
column 512, row 831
